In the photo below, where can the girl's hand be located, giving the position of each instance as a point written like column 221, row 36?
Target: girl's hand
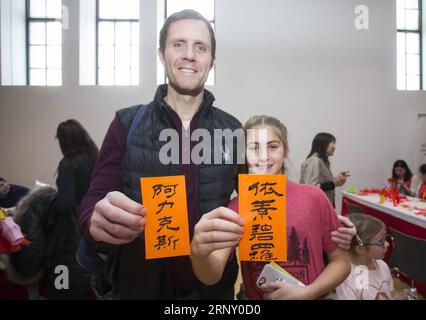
column 284, row 291
column 219, row 229
column 343, row 235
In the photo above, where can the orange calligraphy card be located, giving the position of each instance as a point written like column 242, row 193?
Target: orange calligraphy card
column 166, row 230
column 262, row 206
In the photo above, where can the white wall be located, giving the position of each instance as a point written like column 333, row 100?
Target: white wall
column 302, row 61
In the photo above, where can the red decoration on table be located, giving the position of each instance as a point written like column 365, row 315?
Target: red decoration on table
column 391, row 194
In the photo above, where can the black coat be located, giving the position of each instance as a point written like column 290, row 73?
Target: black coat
column 47, row 220
column 139, row 278
column 35, row 220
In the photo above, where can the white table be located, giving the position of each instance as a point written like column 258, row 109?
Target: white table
column 406, row 214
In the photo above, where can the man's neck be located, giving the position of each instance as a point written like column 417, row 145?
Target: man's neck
column 185, row 105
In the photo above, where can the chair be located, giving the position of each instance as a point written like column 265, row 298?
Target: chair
column 409, row 256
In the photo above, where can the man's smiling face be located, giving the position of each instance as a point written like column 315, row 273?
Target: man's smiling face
column 187, row 57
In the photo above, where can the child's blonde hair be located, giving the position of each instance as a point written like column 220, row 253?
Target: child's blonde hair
column 366, row 226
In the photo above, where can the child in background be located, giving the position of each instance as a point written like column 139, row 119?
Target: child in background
column 402, row 178
column 311, row 221
column 420, row 191
column 370, row 277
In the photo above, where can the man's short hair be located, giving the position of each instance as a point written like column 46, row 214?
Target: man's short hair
column 1, row 179
column 187, row 14
column 422, row 169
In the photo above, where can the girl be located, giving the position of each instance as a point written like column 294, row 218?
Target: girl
column 310, row 221
column 370, row 277
column 420, row 189
column 316, row 168
column 402, row 177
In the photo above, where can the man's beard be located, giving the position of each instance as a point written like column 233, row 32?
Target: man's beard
column 187, row 92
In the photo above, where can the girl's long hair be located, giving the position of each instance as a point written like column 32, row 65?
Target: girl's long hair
column 320, row 145
column 404, row 165
column 78, row 149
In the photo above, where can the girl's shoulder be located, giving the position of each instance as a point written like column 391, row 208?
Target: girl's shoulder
column 382, row 266
column 313, row 159
column 304, row 190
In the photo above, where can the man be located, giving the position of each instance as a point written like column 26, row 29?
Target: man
column 10, row 194
column 111, row 212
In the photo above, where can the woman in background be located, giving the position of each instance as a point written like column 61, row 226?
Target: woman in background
column 402, row 178
column 73, row 180
column 316, row 168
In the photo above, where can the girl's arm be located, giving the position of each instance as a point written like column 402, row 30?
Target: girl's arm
column 209, row 269
column 407, row 190
column 335, row 273
column 215, row 235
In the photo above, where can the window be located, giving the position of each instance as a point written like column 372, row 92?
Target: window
column 409, row 44
column 117, row 42
column 44, row 42
column 31, row 42
column 168, row 7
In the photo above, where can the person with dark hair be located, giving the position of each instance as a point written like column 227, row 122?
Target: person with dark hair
column 75, row 168
column 10, row 194
column 73, row 179
column 111, row 215
column 420, row 190
column 316, row 168
column 402, row 178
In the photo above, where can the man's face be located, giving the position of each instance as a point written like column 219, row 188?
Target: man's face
column 187, row 56
column 4, row 188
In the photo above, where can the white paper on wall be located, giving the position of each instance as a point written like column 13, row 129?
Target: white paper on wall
column 420, row 143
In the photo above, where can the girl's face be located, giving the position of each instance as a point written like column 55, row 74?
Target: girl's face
column 400, row 172
column 264, row 151
column 378, row 246
column 331, row 148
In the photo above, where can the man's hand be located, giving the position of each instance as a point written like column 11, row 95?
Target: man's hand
column 117, row 219
column 343, row 235
column 219, row 229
